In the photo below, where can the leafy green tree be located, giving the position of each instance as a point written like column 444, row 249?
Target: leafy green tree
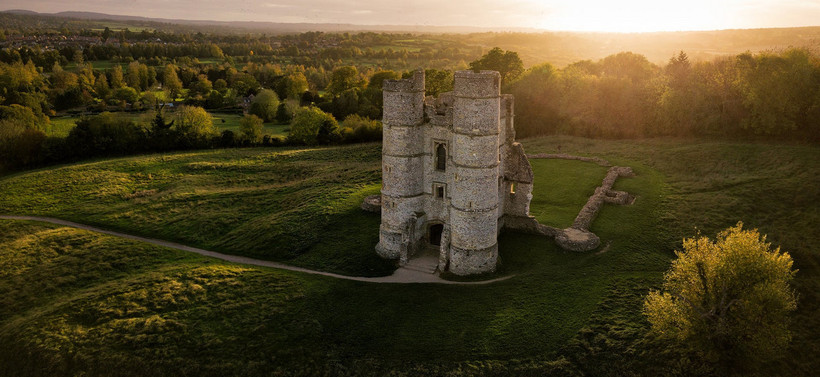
column 342, row 79
column 194, row 126
column 292, row 86
column 251, row 127
column 779, row 91
column 286, row 111
column 106, row 134
column 437, row 81
column 356, row 128
column 243, row 83
column 627, row 65
column 171, row 82
column 537, row 94
column 24, row 117
column 507, row 63
column 101, row 88
column 117, row 81
column 132, row 75
column 19, row 146
column 313, row 126
column 378, row 78
column 127, row 94
column 727, row 299
column 200, row 88
column 264, row 105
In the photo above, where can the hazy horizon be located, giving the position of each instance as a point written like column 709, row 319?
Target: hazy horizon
column 581, row 15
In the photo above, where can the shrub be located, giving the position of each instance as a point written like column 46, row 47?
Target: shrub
column 313, row 126
column 265, row 105
column 361, row 129
column 727, row 300
column 194, row 126
column 251, row 127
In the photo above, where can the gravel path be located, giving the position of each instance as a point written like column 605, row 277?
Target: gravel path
column 401, row 275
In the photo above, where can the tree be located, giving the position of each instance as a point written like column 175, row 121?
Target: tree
column 194, row 126
column 117, row 81
column 127, row 94
column 342, row 79
column 437, row 81
column 357, row 128
column 251, row 127
column 728, row 299
column 377, row 80
column 170, row 80
column 628, row 65
column 292, row 86
column 313, row 126
column 264, row 105
column 507, row 63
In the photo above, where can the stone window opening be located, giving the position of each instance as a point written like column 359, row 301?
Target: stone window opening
column 441, row 157
column 439, row 190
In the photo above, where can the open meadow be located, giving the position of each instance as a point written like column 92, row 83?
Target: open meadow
column 77, row 302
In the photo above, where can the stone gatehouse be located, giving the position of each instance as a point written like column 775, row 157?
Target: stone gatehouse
column 452, row 173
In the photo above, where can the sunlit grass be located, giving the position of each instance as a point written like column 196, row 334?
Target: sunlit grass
column 152, row 310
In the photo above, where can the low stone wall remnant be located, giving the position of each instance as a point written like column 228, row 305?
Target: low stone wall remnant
column 562, row 156
column 372, row 203
column 577, row 237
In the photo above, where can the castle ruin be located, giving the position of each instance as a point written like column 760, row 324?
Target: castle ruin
column 452, row 173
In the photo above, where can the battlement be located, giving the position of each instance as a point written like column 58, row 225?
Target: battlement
column 482, row 84
column 413, row 84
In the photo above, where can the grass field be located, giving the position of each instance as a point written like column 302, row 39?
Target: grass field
column 61, row 126
column 78, row 302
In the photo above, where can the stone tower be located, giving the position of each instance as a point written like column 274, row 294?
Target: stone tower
column 452, row 174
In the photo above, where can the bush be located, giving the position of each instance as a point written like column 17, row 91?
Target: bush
column 265, row 105
column 194, row 126
column 105, row 135
column 726, row 300
column 251, row 127
column 19, row 146
column 313, row 126
column 358, row 129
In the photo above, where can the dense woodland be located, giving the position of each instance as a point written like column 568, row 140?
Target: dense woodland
column 327, row 87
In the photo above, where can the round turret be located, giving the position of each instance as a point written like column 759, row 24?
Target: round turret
column 402, row 159
column 474, row 203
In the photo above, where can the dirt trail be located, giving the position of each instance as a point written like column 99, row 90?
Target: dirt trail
column 401, row 275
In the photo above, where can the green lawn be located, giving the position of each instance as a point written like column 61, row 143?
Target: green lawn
column 75, row 302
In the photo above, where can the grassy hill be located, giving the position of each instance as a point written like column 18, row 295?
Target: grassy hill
column 79, row 302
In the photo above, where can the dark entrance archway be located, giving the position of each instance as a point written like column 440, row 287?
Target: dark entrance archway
column 434, row 232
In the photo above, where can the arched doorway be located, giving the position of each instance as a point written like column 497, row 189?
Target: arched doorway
column 434, row 232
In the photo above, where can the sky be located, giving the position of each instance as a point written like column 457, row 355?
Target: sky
column 569, row 15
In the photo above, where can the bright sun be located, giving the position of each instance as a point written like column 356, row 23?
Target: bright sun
column 632, row 15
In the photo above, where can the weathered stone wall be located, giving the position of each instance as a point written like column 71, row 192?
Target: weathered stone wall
column 402, row 160
column 474, row 204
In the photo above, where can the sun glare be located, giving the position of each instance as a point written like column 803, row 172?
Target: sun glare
column 633, row 15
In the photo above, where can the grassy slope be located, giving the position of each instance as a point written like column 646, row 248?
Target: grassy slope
column 295, row 205
column 582, row 308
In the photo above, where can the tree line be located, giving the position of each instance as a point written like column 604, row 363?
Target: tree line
column 773, row 94
column 769, row 94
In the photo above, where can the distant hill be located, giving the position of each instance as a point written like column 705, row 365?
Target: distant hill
column 275, row 27
column 534, row 46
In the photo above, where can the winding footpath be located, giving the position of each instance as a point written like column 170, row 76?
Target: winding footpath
column 401, row 276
